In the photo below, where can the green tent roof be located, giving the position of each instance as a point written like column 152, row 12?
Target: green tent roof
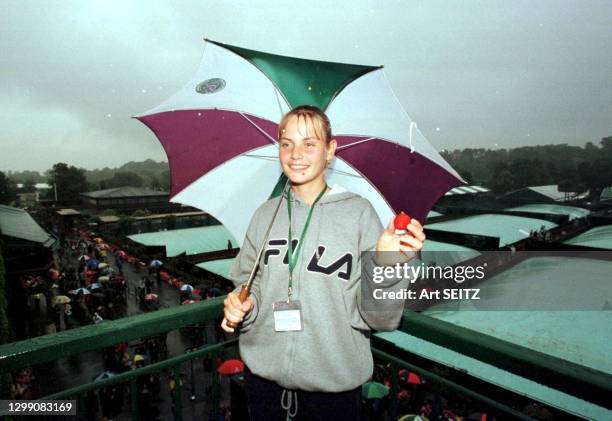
column 189, row 240
column 572, row 211
column 600, row 237
column 17, row 223
column 302, row 81
column 219, row 267
column 508, row 228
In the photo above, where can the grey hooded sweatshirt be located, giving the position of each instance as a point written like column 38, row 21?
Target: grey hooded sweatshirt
column 332, row 352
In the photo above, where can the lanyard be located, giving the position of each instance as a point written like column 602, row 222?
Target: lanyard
column 293, row 256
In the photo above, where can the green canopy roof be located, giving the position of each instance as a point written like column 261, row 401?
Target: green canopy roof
column 17, row 223
column 302, row 81
column 219, row 267
column 572, row 211
column 508, row 228
column 600, row 237
column 189, row 240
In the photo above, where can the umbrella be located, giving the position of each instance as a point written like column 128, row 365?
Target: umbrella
column 94, row 286
column 93, row 263
column 102, row 265
column 230, row 367
column 61, row 299
column 104, row 278
column 78, row 291
column 121, row 253
column 374, row 390
column 155, row 263
column 104, row 375
column 150, row 297
column 186, row 302
column 412, row 417
column 186, row 287
column 232, row 106
column 84, row 257
column 409, row 377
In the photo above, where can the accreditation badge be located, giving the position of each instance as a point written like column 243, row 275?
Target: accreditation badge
column 287, row 316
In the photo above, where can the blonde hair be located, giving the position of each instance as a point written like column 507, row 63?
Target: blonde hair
column 312, row 114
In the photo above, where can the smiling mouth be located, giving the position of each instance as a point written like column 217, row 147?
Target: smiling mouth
column 298, row 167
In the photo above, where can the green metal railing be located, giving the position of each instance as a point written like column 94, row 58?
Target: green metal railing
column 559, row 374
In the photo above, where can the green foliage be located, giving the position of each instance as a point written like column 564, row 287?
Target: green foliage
column 29, row 186
column 69, row 181
column 8, row 189
column 24, row 176
column 125, row 179
column 576, row 169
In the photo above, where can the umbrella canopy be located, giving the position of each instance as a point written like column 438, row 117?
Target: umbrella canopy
column 93, row 263
column 94, row 286
column 78, row 291
column 220, row 130
column 186, row 302
column 150, row 297
column 102, row 265
column 121, row 253
column 103, row 375
column 230, row 367
column 61, row 299
column 374, row 390
column 155, row 263
column 186, row 287
column 409, row 377
column 84, row 257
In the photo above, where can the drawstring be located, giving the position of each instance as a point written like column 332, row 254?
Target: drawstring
column 287, row 400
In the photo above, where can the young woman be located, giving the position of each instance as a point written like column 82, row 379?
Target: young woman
column 305, row 329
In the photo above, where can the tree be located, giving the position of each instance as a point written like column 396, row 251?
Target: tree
column 69, row 181
column 125, row 178
column 8, row 189
column 29, row 186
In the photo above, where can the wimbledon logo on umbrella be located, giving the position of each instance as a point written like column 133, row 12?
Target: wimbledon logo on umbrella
column 210, row 86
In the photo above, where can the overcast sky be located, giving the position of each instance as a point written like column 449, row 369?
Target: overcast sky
column 470, row 73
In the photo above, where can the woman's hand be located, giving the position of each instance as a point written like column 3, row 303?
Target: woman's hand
column 408, row 244
column 234, row 310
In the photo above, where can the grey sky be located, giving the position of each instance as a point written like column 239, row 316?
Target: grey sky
column 470, row 73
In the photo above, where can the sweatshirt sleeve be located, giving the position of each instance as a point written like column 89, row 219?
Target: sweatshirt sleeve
column 381, row 315
column 241, row 269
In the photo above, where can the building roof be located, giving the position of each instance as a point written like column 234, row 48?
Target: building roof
column 508, row 228
column 600, row 237
column 165, row 215
column 606, row 194
column 108, row 219
column 68, row 212
column 122, row 192
column 572, row 211
column 189, row 240
column 466, row 190
column 17, row 223
column 219, row 267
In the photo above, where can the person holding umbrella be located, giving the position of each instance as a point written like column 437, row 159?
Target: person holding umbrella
column 305, row 333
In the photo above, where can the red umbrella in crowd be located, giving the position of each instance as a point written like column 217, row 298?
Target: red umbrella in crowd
column 230, row 367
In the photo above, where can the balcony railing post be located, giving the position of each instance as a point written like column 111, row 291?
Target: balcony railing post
column 215, row 382
column 394, row 390
column 178, row 400
column 134, row 398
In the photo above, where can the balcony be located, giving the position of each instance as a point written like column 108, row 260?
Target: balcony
column 571, row 389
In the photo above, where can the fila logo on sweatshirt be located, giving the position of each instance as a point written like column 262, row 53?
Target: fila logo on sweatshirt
column 342, row 265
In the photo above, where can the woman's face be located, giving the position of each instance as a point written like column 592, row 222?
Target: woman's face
column 303, row 156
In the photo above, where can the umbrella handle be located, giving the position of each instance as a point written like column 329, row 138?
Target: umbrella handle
column 245, row 291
